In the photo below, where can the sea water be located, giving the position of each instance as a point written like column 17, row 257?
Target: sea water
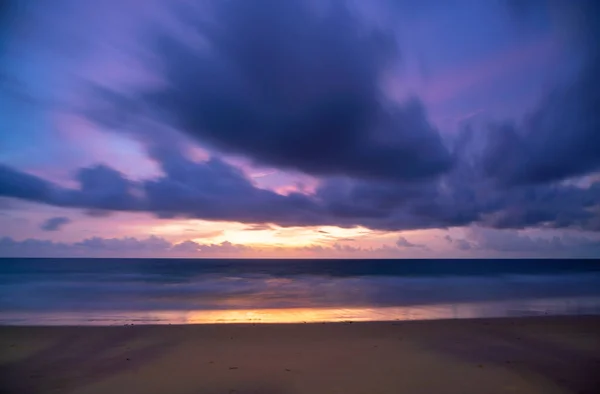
column 181, row 291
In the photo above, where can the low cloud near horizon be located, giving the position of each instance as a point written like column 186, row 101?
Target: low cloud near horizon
column 502, row 243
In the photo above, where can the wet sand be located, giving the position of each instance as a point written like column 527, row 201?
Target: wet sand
column 514, row 355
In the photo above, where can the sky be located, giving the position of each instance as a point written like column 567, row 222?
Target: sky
column 300, row 128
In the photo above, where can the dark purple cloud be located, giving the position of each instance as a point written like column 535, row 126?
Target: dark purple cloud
column 55, row 223
column 104, row 188
column 290, row 87
column 100, row 188
column 215, row 190
column 294, row 88
column 16, row 184
column 561, row 137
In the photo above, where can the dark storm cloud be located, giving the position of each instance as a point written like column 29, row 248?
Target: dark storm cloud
column 553, row 205
column 558, row 140
column 561, row 137
column 288, row 86
column 55, row 223
column 215, row 190
column 100, row 188
column 396, row 206
column 462, row 197
column 14, row 183
column 211, row 190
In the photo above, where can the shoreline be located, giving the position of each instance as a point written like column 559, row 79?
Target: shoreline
column 305, row 323
column 549, row 354
column 539, row 307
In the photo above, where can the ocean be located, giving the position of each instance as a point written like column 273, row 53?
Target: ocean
column 183, row 291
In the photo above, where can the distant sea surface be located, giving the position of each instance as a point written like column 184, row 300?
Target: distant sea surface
column 182, row 291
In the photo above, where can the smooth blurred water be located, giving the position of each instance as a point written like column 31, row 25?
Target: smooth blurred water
column 152, row 291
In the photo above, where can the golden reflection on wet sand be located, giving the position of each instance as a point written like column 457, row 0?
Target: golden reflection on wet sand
column 418, row 312
column 572, row 306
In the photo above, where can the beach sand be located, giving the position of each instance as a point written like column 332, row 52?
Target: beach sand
column 514, row 355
